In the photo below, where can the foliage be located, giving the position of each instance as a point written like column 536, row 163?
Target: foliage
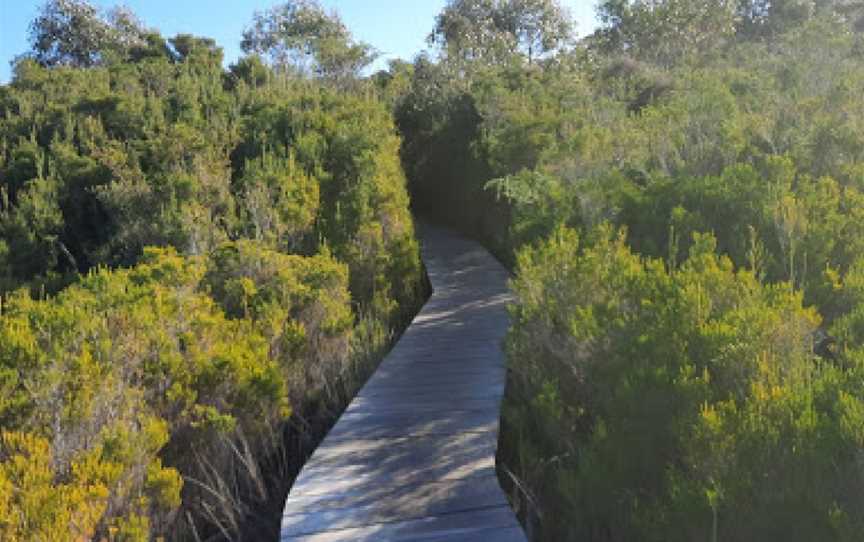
column 666, row 31
column 131, row 368
column 301, row 35
column 189, row 255
column 673, row 404
column 491, row 31
column 73, row 32
column 280, row 201
column 191, row 260
column 698, row 378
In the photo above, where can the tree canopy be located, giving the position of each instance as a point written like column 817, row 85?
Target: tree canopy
column 301, row 35
column 494, row 30
column 75, row 32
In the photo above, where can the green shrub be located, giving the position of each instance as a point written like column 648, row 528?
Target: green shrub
column 665, row 404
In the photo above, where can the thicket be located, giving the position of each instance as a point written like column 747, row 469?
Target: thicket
column 192, row 256
column 191, row 259
column 681, row 196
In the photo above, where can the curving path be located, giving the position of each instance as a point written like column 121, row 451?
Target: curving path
column 413, row 456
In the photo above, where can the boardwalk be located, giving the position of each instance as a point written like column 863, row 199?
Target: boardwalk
column 413, row 456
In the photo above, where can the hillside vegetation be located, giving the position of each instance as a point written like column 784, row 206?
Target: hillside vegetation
column 681, row 197
column 192, row 259
column 199, row 264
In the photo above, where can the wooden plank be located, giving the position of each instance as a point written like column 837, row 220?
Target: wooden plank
column 505, row 534
column 467, row 383
column 404, row 462
column 443, row 527
column 467, row 496
column 440, row 368
column 419, row 404
column 413, row 455
column 399, row 424
column 388, row 496
column 437, row 394
column 375, row 450
column 342, row 481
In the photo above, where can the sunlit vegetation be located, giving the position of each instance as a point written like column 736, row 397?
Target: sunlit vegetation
column 680, row 195
column 191, row 257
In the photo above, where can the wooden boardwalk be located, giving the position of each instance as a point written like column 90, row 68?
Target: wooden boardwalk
column 413, row 456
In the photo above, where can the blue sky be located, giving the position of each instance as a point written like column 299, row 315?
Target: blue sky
column 397, row 28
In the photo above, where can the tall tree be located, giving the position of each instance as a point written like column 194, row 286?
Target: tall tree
column 665, row 31
column 766, row 18
column 540, row 26
column 495, row 30
column 74, row 32
column 300, row 35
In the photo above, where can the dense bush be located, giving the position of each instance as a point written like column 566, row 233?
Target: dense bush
column 677, row 404
column 132, row 380
column 190, row 256
column 698, row 378
column 192, row 259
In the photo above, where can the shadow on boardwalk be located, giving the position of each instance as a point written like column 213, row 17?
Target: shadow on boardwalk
column 413, row 456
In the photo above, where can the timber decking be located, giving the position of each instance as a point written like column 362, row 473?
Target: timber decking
column 413, row 455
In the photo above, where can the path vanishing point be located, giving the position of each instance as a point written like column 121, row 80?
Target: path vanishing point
column 413, row 455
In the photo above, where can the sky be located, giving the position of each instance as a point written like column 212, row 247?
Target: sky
column 396, row 28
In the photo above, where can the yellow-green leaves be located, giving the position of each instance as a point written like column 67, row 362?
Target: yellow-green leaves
column 131, row 368
column 674, row 401
column 35, row 505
